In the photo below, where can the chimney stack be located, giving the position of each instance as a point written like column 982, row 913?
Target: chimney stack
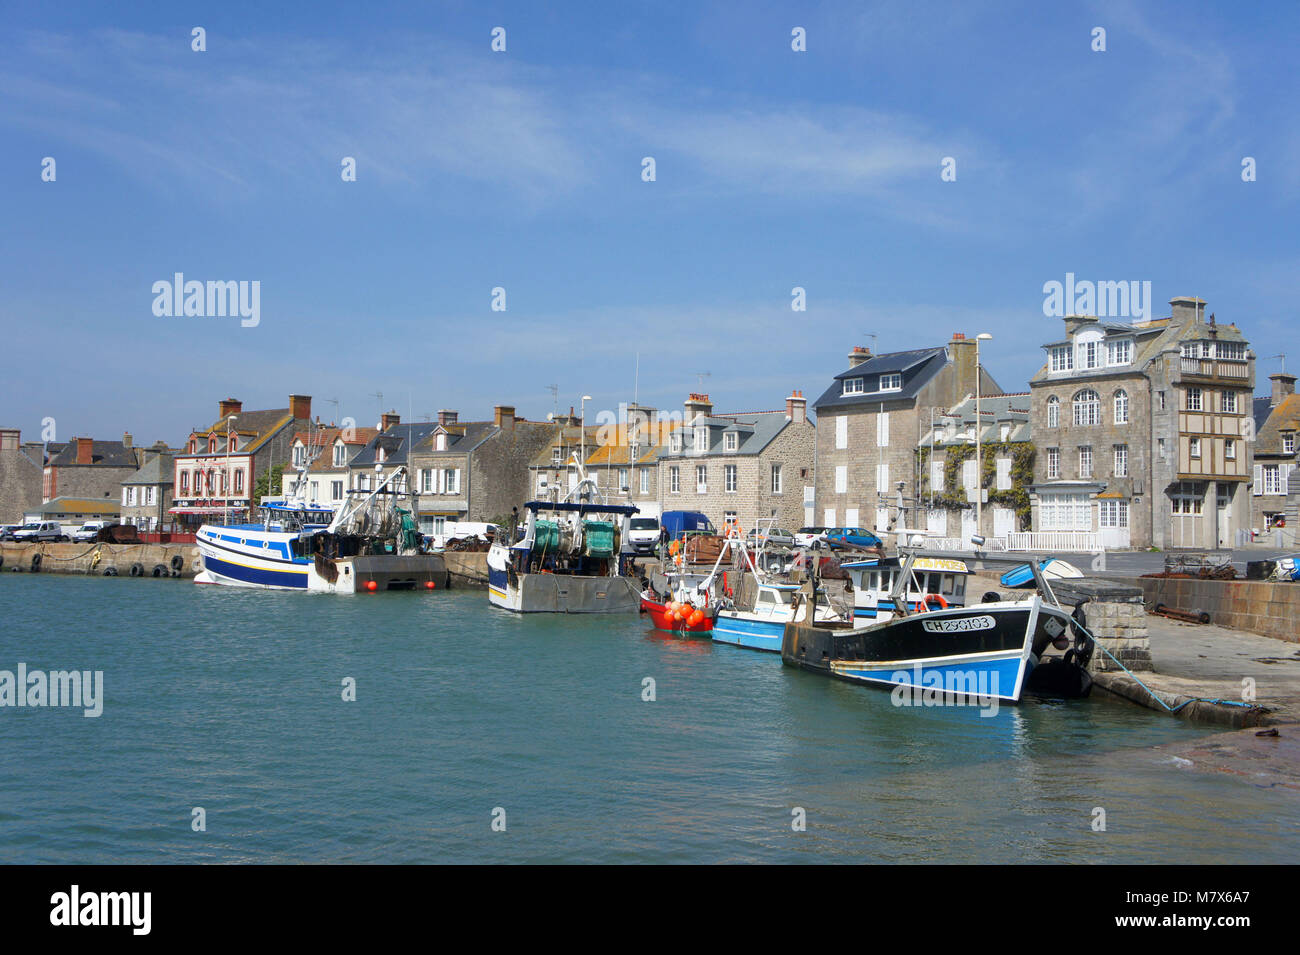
column 796, row 407
column 697, row 404
column 446, row 416
column 388, row 419
column 229, row 406
column 1187, row 308
column 85, row 450
column 859, row 354
column 127, row 441
column 1283, row 385
column 300, row 406
column 962, row 350
column 503, row 416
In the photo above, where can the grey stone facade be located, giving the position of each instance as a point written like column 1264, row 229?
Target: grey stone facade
column 20, row 476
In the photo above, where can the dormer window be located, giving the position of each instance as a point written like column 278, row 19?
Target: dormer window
column 891, row 382
column 440, row 442
column 380, row 454
column 730, row 441
column 340, row 453
column 1062, row 358
column 1119, row 352
column 675, row 443
column 701, row 438
column 557, row 454
column 1090, row 354
column 299, row 455
column 212, row 444
column 854, row 386
column 194, row 445
column 1288, row 444
column 232, row 443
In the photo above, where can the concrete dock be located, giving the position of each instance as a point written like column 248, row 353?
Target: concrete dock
column 101, row 559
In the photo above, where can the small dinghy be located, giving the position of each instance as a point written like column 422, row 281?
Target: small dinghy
column 1053, row 568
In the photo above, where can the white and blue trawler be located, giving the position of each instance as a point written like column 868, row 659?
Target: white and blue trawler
column 302, row 545
column 569, row 557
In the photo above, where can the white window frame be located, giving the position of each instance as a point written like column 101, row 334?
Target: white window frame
column 1195, row 399
column 1053, row 463
column 1085, row 461
column 854, row 386
column 701, row 479
column 1053, row 412
column 776, row 479
column 730, row 478
column 1120, row 466
column 674, row 480
column 1062, row 358
column 730, row 441
column 1119, row 352
column 892, row 381
column 1121, row 407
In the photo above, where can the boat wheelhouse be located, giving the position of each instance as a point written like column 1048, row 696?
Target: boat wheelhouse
column 937, row 581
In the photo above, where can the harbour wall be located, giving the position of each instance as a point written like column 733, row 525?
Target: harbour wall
column 1269, row 608
column 101, row 559
column 467, row 568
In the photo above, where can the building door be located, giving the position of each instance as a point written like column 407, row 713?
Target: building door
column 936, row 522
column 1112, row 523
column 1004, row 521
column 1225, row 517
column 967, row 525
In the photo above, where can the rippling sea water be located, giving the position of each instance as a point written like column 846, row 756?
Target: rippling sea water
column 232, row 700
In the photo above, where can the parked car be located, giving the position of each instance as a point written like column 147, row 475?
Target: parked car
column 838, row 537
column 40, row 531
column 810, row 537
column 775, row 536
column 643, row 534
column 89, row 530
column 7, row 531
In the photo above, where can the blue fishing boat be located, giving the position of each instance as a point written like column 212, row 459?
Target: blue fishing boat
column 1053, row 568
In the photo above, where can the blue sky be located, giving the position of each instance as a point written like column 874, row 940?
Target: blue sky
column 522, row 170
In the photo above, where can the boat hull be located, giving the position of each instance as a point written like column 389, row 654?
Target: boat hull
column 663, row 620
column 236, row 557
column 561, row 593
column 740, row 631
column 989, row 650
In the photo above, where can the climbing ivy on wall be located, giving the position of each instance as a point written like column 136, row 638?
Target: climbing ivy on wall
column 953, row 494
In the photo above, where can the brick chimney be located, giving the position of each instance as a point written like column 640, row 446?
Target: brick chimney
column 10, row 439
column 697, row 404
column 388, row 419
column 859, row 354
column 229, row 406
column 446, row 416
column 796, row 407
column 300, row 406
column 1283, row 385
column 85, row 450
column 1187, row 308
column 503, row 416
column 127, row 441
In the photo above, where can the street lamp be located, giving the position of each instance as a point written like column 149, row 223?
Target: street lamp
column 979, row 431
column 226, row 489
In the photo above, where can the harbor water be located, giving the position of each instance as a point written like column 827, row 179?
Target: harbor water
column 233, row 701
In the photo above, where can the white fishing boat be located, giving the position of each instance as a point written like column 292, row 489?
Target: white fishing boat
column 934, row 583
column 366, row 545
column 569, row 556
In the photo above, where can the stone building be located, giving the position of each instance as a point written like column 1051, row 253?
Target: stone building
column 553, row 471
column 386, row 451
column 740, row 467
column 217, row 472
column 147, row 494
column 21, row 469
column 475, row 470
column 89, row 469
column 1142, row 431
column 1275, row 455
column 869, row 423
column 625, row 461
column 949, row 469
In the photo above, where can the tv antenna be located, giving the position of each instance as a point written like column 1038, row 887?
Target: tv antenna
column 1281, row 356
column 700, row 376
column 555, row 397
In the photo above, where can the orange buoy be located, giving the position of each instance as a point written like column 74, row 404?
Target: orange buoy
column 697, row 618
column 371, row 585
column 429, row 585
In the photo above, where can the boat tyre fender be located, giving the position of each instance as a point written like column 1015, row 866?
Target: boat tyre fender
column 110, row 571
column 178, row 563
column 137, row 569
column 36, row 563
column 160, row 570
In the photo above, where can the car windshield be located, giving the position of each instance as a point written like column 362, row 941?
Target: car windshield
column 31, row 527
column 644, row 524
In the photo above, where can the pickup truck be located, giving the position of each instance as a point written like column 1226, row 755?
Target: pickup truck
column 40, row 531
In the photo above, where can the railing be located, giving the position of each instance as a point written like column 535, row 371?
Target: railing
column 964, row 543
column 1077, row 541
column 1209, row 368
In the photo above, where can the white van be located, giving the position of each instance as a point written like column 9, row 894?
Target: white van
column 463, row 530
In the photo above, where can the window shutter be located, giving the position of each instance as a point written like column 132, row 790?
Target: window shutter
column 1257, row 487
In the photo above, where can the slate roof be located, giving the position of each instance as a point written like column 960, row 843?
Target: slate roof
column 157, row 470
column 109, row 454
column 1150, row 339
column 397, row 441
column 917, row 367
column 755, row 430
column 324, row 438
column 616, row 454
column 1260, row 407
column 994, row 411
column 462, row 437
column 81, row 505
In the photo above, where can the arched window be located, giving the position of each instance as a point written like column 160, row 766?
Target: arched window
column 1087, row 407
column 1053, row 412
column 1121, row 407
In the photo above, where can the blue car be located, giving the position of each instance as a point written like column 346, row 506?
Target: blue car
column 851, row 537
